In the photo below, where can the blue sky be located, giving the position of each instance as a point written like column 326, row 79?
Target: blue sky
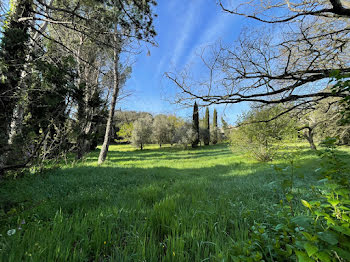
column 183, row 26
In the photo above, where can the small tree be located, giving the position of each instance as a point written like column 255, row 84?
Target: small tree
column 260, row 137
column 185, row 135
column 215, row 127
column 125, row 131
column 206, row 127
column 195, row 125
column 174, row 123
column 226, row 128
column 142, row 132
column 161, row 129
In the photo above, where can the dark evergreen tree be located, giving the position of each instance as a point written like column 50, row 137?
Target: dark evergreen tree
column 195, row 125
column 215, row 127
column 13, row 53
column 206, row 127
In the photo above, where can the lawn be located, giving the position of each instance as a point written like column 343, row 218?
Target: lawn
column 163, row 204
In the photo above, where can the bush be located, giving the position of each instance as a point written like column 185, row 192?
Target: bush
column 321, row 233
column 260, row 137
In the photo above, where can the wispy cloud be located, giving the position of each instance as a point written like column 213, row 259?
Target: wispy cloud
column 185, row 31
column 217, row 28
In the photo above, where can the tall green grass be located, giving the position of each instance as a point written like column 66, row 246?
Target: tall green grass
column 153, row 205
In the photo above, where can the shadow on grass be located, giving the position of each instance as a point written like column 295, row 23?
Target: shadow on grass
column 167, row 153
column 87, row 188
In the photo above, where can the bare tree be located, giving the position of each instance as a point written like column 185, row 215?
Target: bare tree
column 290, row 63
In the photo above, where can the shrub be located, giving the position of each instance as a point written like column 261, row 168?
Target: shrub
column 259, row 136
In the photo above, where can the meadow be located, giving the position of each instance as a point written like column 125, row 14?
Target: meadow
column 159, row 204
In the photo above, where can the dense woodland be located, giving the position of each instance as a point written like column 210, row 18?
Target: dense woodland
column 102, row 184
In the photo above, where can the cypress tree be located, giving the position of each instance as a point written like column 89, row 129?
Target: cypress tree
column 215, row 127
column 195, row 125
column 206, row 127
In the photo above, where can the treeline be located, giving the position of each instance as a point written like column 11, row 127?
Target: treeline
column 63, row 65
column 264, row 129
column 141, row 128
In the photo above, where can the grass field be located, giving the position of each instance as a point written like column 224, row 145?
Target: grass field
column 154, row 205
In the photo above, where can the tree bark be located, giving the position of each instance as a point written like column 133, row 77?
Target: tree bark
column 309, row 135
column 116, row 82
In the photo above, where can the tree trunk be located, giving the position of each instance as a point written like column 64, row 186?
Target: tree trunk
column 116, row 52
column 141, row 146
column 309, row 135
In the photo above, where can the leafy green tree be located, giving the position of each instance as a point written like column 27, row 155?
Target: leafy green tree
column 142, row 132
column 35, row 32
column 161, row 129
column 13, row 55
column 125, row 131
column 259, row 136
column 174, row 124
column 195, row 125
column 185, row 135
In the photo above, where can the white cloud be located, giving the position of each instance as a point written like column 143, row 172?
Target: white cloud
column 193, row 11
column 218, row 26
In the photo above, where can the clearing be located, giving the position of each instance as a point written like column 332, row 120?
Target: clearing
column 157, row 204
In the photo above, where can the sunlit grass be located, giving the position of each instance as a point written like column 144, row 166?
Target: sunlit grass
column 163, row 204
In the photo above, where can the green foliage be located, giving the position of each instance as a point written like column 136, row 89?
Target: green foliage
column 259, row 136
column 319, row 233
column 156, row 204
column 206, row 135
column 161, row 129
column 195, row 125
column 142, row 132
column 125, row 131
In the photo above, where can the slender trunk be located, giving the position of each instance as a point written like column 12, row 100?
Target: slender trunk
column 309, row 135
column 116, row 51
column 141, row 146
column 80, row 101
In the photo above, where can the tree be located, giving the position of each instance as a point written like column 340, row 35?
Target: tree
column 34, row 32
column 262, row 68
column 206, row 127
column 195, row 125
column 225, row 127
column 174, row 124
column 125, row 131
column 119, row 79
column 261, row 138
column 325, row 120
column 215, row 127
column 185, row 135
column 13, row 54
column 142, row 132
column 161, row 129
